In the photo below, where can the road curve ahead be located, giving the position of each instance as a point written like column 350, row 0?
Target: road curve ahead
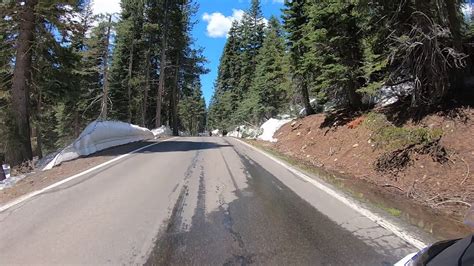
column 202, row 201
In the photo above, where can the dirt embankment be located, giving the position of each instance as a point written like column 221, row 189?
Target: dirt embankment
column 429, row 163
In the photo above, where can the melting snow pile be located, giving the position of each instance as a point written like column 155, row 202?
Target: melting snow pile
column 245, row 132
column 10, row 181
column 391, row 94
column 101, row 135
column 235, row 134
column 312, row 102
column 270, row 127
column 162, row 131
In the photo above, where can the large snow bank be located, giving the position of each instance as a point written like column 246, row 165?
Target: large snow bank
column 162, row 131
column 270, row 127
column 100, row 135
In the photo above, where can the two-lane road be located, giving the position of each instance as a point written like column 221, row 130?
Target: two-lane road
column 205, row 201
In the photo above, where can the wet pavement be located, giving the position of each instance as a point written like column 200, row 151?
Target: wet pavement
column 199, row 201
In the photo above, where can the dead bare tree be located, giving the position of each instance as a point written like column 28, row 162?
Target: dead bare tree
column 427, row 55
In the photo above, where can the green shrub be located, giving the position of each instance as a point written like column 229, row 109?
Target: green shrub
column 375, row 121
column 386, row 135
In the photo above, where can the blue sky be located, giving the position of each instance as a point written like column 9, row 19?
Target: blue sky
column 213, row 18
column 217, row 15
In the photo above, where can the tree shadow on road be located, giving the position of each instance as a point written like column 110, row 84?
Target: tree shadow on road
column 183, row 146
column 162, row 146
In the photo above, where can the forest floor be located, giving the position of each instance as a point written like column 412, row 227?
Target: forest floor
column 421, row 171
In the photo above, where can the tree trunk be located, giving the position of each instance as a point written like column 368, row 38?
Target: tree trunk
column 355, row 57
column 170, row 110
column 105, row 95
column 129, row 87
column 2, row 173
column 456, row 77
column 305, row 94
column 174, row 102
column 20, row 85
column 161, row 85
column 77, row 127
column 39, row 140
column 161, row 88
column 355, row 100
column 454, row 23
column 146, row 88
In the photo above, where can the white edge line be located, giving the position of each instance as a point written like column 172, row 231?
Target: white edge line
column 414, row 241
column 37, row 192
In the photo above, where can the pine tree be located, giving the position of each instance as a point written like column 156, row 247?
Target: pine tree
column 20, row 84
column 233, row 99
column 164, row 40
column 226, row 98
column 251, row 40
column 271, row 83
column 126, row 72
column 296, row 17
column 334, row 58
column 34, row 19
column 192, row 110
column 7, row 53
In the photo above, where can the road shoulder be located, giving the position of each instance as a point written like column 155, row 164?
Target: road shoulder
column 38, row 179
column 373, row 210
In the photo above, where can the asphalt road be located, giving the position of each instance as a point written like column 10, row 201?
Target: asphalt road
column 204, row 201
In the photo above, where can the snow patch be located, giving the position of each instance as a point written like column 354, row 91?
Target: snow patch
column 183, row 134
column 10, row 181
column 388, row 95
column 162, row 131
column 98, row 136
column 246, row 132
column 313, row 104
column 235, row 134
column 216, row 133
column 270, row 127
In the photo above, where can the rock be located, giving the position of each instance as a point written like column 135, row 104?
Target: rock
column 355, row 145
column 293, row 123
column 298, row 134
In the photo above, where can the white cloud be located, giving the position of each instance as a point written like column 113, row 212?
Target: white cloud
column 219, row 25
column 106, row 6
